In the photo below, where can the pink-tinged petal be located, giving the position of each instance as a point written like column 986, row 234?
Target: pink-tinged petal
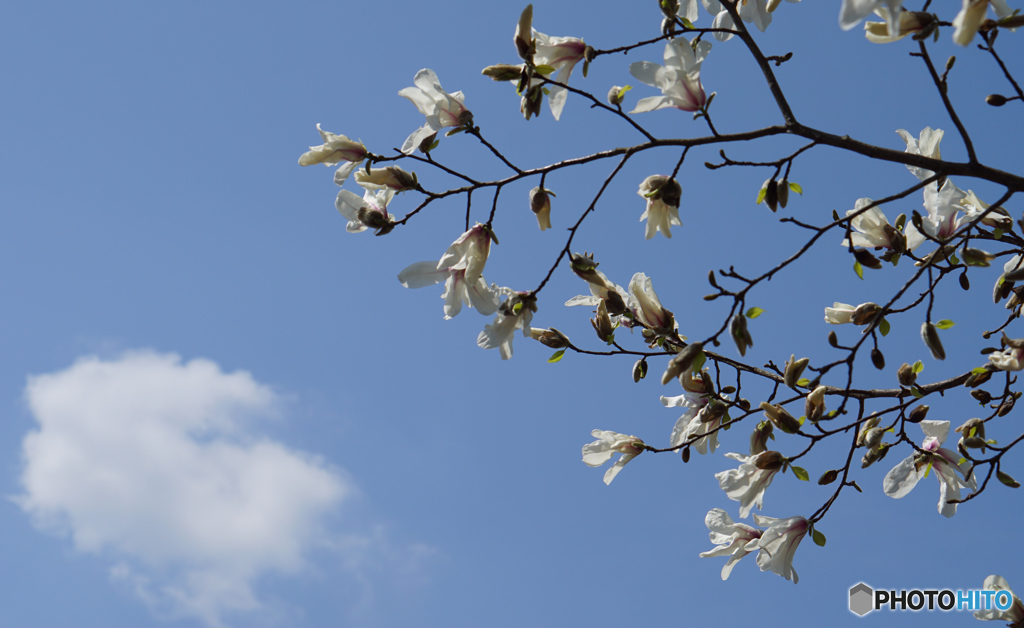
column 938, row 430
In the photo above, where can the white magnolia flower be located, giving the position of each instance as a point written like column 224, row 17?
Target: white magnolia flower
column 561, row 53
column 515, row 313
column 461, row 268
column 441, row 108
column 1013, row 616
column 942, row 205
column 853, row 11
column 607, row 445
column 778, row 544
column 972, row 14
column 663, row 195
column 691, row 423
column 940, row 461
column 926, row 145
column 1009, row 359
column 646, row 306
column 678, row 79
column 731, row 538
column 335, row 149
column 869, row 226
column 390, row 177
column 839, row 313
column 974, row 207
column 368, row 212
column 880, row 32
column 747, row 483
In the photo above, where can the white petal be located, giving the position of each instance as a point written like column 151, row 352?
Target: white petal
column 901, row 479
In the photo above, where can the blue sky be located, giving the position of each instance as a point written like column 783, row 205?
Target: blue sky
column 222, row 409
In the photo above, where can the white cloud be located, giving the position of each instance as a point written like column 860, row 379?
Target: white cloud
column 157, row 464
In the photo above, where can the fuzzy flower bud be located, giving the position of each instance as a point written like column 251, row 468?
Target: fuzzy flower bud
column 780, row 417
column 759, row 437
column 930, row 335
column 794, row 369
column 540, row 204
column 682, row 362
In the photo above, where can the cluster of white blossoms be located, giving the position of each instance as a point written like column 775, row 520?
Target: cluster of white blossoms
column 547, row 66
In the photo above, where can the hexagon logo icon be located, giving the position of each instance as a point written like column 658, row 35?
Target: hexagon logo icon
column 860, row 599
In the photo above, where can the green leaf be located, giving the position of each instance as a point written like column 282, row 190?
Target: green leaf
column 558, row 356
column 545, row 69
column 761, row 195
column 895, row 260
column 883, row 327
column 917, row 393
column 962, row 460
column 819, row 538
column 800, row 473
column 918, row 367
column 518, row 307
column 686, row 23
column 997, row 234
column 857, row 268
column 944, row 324
column 803, row 381
column 929, row 469
column 979, row 370
column 796, row 187
column 754, row 312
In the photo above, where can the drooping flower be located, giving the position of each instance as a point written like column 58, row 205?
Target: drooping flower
column 731, row 538
column 747, row 483
column 694, row 421
column 908, row 22
column 839, row 313
column 926, row 145
column 602, row 289
column 561, row 53
column 663, row 196
column 646, row 306
column 853, row 11
column 972, row 14
column 1011, row 358
column 951, row 475
column 442, row 109
column 941, row 223
column 872, row 228
column 678, row 79
column 1014, row 615
column 461, row 268
column 335, row 149
column 369, row 212
column 607, row 445
column 390, row 177
column 515, row 312
column 540, row 205
column 778, row 544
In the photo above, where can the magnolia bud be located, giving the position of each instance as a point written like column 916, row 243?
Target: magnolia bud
column 870, row 423
column 759, row 437
column 780, row 417
column 814, row 405
column 682, row 362
column 877, row 359
column 930, row 335
column 794, row 369
column 712, row 412
column 983, row 396
column 917, row 414
column 1006, row 479
column 1006, row 406
column 739, row 333
column 972, row 427
column 974, row 442
column 906, row 375
column 783, row 193
column 686, row 454
column 965, row 283
column 828, row 477
column 976, row 257
column 771, row 193
column 865, row 313
column 617, row 94
column 603, row 324
column 640, row 369
column 503, row 72
column 550, row 337
column 874, row 455
column 996, row 100
column 768, row 460
column 833, row 339
column 873, row 437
